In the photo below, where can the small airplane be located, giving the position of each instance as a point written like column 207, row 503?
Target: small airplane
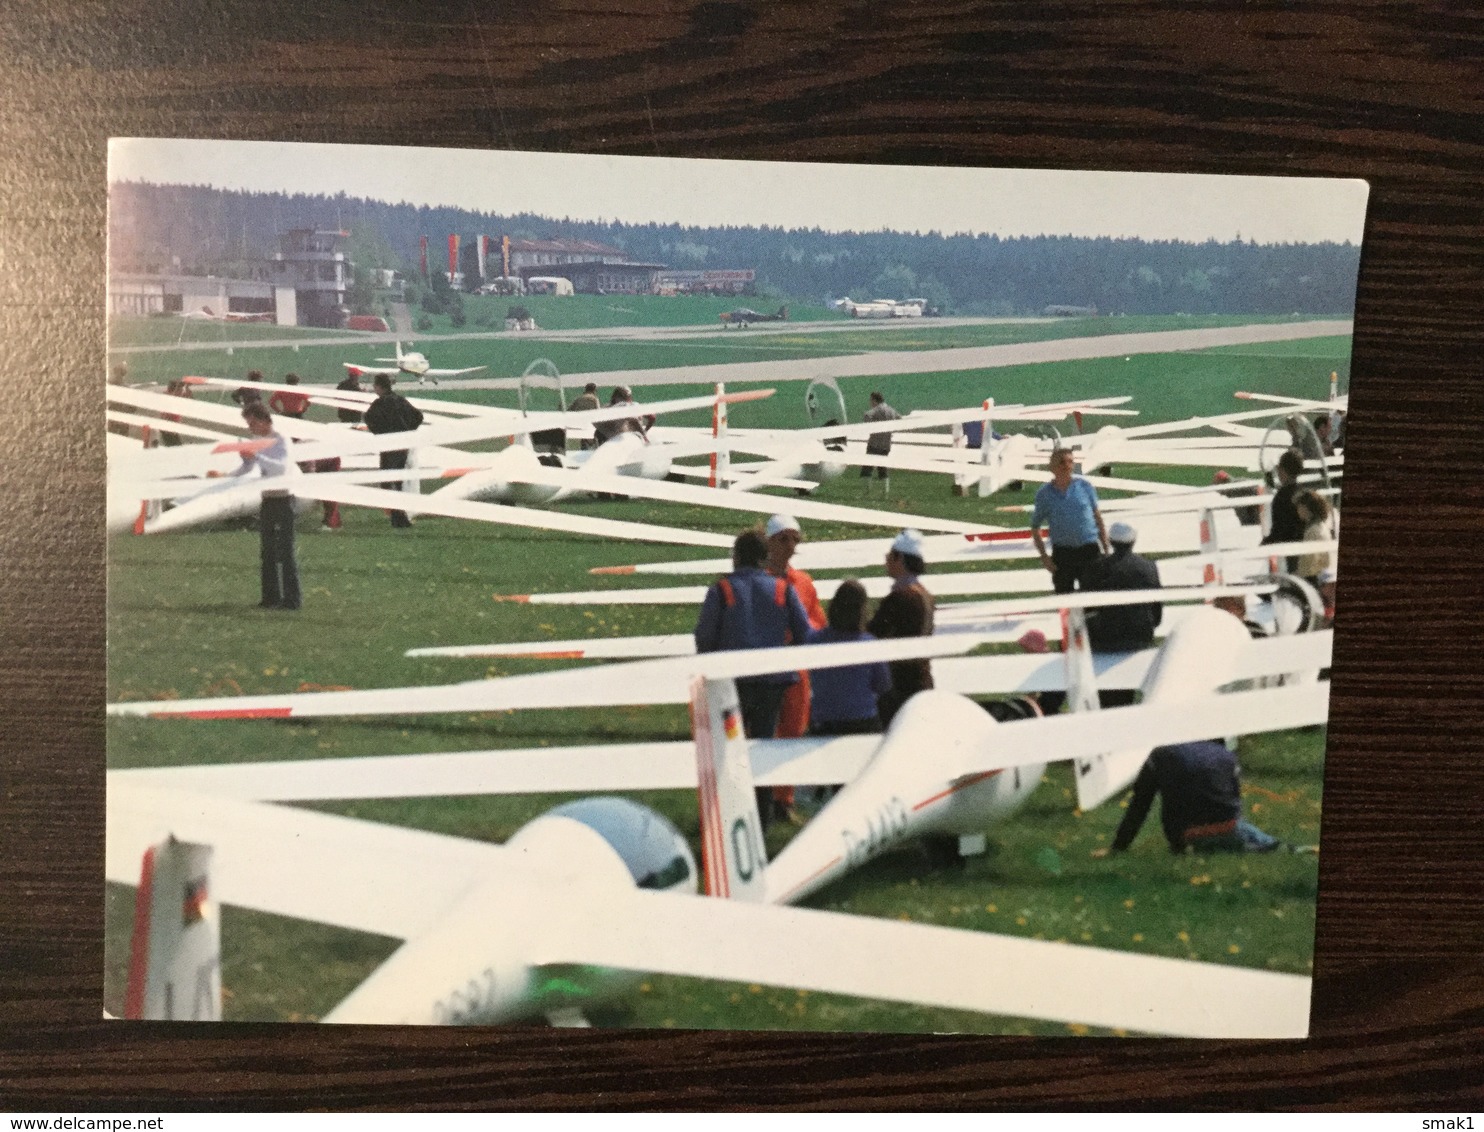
column 412, row 364
column 745, row 316
column 883, row 308
column 229, row 316
column 540, row 925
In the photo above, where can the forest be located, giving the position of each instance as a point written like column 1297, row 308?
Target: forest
column 195, row 229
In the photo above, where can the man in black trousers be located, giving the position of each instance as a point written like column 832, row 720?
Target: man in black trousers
column 391, row 412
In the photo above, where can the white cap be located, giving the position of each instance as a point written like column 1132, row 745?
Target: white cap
column 777, row 524
column 908, row 542
column 1123, row 532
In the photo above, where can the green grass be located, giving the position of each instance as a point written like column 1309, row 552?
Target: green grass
column 181, row 624
column 508, row 356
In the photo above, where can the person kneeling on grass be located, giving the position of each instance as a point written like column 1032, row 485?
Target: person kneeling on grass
column 1201, row 803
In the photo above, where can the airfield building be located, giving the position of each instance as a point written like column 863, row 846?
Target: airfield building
column 303, row 284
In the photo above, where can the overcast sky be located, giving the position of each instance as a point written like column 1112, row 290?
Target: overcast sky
column 1006, row 202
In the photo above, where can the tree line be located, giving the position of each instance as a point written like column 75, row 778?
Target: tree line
column 198, row 229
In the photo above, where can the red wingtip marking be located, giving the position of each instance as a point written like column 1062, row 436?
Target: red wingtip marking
column 227, row 713
column 193, row 381
column 1000, row 536
column 750, row 395
column 510, row 597
column 139, row 944
column 612, row 570
column 1243, row 396
column 139, row 522
column 575, row 654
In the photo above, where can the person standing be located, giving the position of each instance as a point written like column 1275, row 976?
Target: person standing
column 751, row 609
column 1122, row 628
column 391, row 412
column 280, row 569
column 607, row 430
column 1285, row 523
column 176, row 388
column 879, row 443
column 1068, row 507
column 287, row 403
column 351, row 384
column 586, row 402
column 907, row 611
column 846, row 699
column 783, row 538
column 1314, row 512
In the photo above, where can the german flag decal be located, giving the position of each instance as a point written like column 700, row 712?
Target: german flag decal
column 731, row 724
column 193, row 906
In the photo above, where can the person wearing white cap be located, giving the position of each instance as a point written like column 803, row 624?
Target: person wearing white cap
column 784, row 536
column 1122, row 628
column 907, row 611
column 1068, row 507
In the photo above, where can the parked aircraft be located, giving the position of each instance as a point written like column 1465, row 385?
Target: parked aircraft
column 411, row 363
column 229, row 316
column 883, row 308
column 573, row 897
column 745, row 316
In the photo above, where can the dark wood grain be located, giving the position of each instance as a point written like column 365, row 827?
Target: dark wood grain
column 1391, row 93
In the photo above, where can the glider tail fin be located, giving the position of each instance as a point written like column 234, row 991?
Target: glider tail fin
column 733, row 859
column 990, row 479
column 1082, row 695
column 1211, row 573
column 175, row 961
column 1082, row 685
column 721, row 458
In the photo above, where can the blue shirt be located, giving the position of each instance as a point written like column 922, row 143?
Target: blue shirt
column 845, row 694
column 753, row 619
column 1069, row 514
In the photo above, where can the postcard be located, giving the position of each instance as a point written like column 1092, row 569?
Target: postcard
column 592, row 590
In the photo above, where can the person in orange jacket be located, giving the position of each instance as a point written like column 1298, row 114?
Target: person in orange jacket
column 784, row 536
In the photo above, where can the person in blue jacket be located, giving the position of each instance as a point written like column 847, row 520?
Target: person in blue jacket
column 751, row 609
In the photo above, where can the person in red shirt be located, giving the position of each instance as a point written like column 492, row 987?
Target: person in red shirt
column 287, row 403
column 784, row 536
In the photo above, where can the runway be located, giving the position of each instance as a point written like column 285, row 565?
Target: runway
column 886, row 362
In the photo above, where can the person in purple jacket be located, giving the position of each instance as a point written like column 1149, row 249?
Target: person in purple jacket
column 845, row 698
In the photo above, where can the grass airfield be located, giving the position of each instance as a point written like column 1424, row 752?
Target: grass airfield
column 182, row 624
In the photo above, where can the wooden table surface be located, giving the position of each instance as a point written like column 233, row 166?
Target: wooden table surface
column 1384, row 91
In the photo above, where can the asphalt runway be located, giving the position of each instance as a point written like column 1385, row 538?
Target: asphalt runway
column 880, row 363
column 589, row 333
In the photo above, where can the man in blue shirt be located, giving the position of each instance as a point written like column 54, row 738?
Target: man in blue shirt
column 1068, row 506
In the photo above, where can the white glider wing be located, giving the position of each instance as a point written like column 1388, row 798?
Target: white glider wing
column 291, row 862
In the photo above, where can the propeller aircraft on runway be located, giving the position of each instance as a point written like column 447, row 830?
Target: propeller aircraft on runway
column 745, row 316
column 411, row 364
